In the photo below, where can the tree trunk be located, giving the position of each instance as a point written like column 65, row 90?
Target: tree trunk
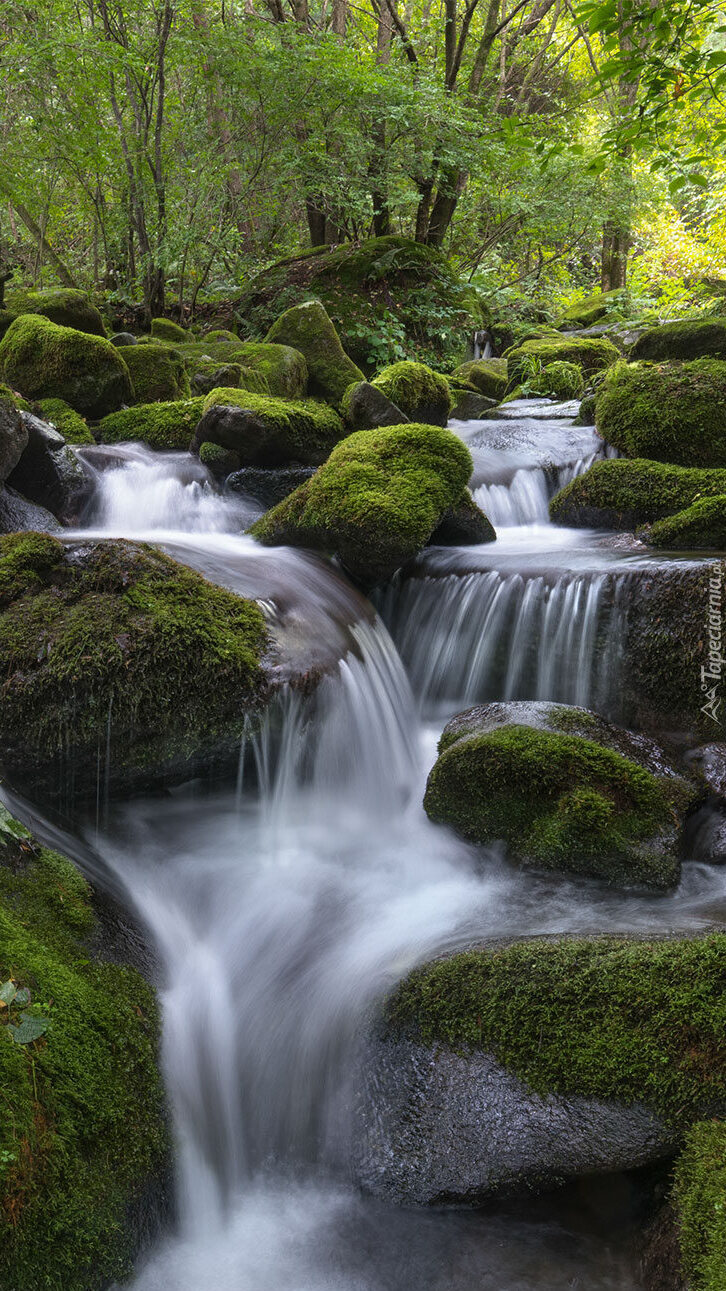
column 44, row 245
column 615, row 247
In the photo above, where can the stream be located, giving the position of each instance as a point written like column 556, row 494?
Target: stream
column 284, row 905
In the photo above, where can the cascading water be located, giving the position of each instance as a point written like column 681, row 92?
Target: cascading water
column 286, row 905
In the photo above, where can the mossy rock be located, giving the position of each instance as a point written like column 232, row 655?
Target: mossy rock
column 699, row 1202
column 282, row 367
column 44, row 361
column 220, row 334
column 220, row 461
column 63, row 305
column 555, row 784
column 376, row 501
column 638, row 1021
column 13, row 434
column 590, row 354
column 66, row 420
column 701, row 527
column 669, row 412
column 6, row 318
column 434, row 309
column 365, row 406
column 421, row 394
column 488, row 376
column 562, row 380
column 263, row 431
column 160, row 425
column 308, row 329
column 602, row 306
column 116, row 632
column 83, row 1136
column 157, row 373
column 688, row 338
column 163, row 329
column 464, row 524
column 622, row 493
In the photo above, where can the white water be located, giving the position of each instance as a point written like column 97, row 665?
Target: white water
column 284, row 906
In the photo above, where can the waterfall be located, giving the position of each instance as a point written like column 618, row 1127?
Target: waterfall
column 525, row 498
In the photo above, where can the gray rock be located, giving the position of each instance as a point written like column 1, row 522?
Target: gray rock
column 13, row 438
column 470, row 406
column 227, row 376
column 462, row 525
column 49, row 473
column 365, row 406
column 540, row 409
column 124, row 338
column 434, row 1127
column 268, row 486
column 710, row 762
column 16, row 514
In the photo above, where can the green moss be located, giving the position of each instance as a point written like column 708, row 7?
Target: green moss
column 64, row 306
column 42, row 360
column 119, row 630
column 670, row 412
column 282, row 367
column 377, row 499
column 612, row 1018
column 488, row 376
column 559, row 802
column 699, row 1197
column 66, row 420
column 164, row 330
column 600, row 307
column 308, row 329
column 621, row 493
column 82, row 1129
column 279, row 430
column 220, row 335
column 422, row 395
column 157, row 372
column 702, row 526
column 160, row 425
column 693, row 338
column 562, row 380
column 6, row 318
column 590, row 354
column 220, row 461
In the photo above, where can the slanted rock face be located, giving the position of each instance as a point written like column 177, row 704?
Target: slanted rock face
column 308, row 328
column 464, row 524
column 695, row 338
column 263, row 431
column 376, row 501
column 621, row 494
column 489, row 376
column 668, row 412
column 283, row 368
column 66, row 420
column 160, row 425
column 564, row 789
column 49, row 473
column 423, row 395
column 365, row 406
column 42, row 360
column 64, row 306
column 157, row 373
column 13, row 435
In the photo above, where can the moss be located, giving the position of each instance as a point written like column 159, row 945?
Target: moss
column 699, row 1197
column 220, row 461
column 669, row 412
column 66, row 420
column 164, row 330
column 157, row 373
column 693, row 338
column 220, row 334
column 6, row 318
column 82, row 1129
column 43, row 361
column 559, row 802
column 562, row 380
column 600, row 307
column 282, row 367
column 64, row 306
column 488, row 376
column 377, row 499
column 621, row 493
column 118, row 631
column 611, row 1018
column 160, row 425
column 702, row 526
column 590, row 354
column 308, row 329
column 277, row 431
column 11, row 396
column 422, row 395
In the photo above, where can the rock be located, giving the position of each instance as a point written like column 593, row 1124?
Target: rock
column 121, row 339
column 220, row 461
column 62, row 305
column 84, row 1116
column 699, row 1187
column 660, row 1266
column 508, row 1068
column 488, row 375
column 16, row 514
column 160, row 425
column 43, row 361
column 308, row 329
column 469, row 405
column 13, row 434
column 423, row 395
column 602, row 305
column 269, row 432
column 268, row 486
column 283, row 368
column 49, row 473
column 667, row 412
column 564, row 789
column 561, row 380
column 621, row 494
column 701, row 527
column 464, row 523
column 364, row 407
column 163, row 329
column 589, row 355
column 204, row 380
column 710, row 762
column 66, row 420
column 157, row 373
column 376, row 501
column 694, row 338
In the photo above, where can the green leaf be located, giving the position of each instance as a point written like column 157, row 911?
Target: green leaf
column 8, row 991
column 30, row 1029
column 22, row 997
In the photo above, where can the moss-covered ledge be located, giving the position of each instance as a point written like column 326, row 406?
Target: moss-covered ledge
column 699, row 1202
column 83, row 1135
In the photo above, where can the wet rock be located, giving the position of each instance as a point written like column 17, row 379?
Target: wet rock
column 49, row 473
column 463, row 524
column 469, row 405
column 268, row 432
column 17, row 513
column 365, row 406
column 268, row 486
column 13, row 436
column 124, row 338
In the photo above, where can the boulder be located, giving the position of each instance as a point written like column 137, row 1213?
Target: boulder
column 618, row 493
column 564, row 789
column 421, row 394
column 601, row 306
column 163, row 329
column 561, row 380
column 463, row 524
column 269, row 432
column 469, row 405
column 268, row 486
column 668, row 412
column 376, row 501
column 220, row 461
column 157, row 373
column 365, row 406
column 206, row 375
column 687, row 338
column 123, row 338
column 308, row 329
column 62, row 305
column 17, row 513
column 700, row 527
column 43, row 360
column 71, row 425
column 13, row 434
column 282, row 368
column 489, row 376
column 160, row 425
column 49, row 473
column 589, row 355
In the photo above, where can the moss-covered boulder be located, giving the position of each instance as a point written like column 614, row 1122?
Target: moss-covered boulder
column 220, row 461
column 50, row 474
column 365, row 406
column 670, row 412
column 160, row 425
column 464, row 524
column 590, row 355
column 83, row 1137
column 488, row 376
column 602, row 306
column 113, row 647
column 699, row 1206
column 163, row 329
column 282, row 367
column 700, row 527
column 376, row 501
column 70, row 424
column 157, row 373
column 622, row 493
column 42, row 361
column 562, row 381
column 263, row 431
column 565, row 791
column 694, row 338
column 381, row 293
column 13, row 434
column 308, row 329
column 62, row 305
column 421, row 394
